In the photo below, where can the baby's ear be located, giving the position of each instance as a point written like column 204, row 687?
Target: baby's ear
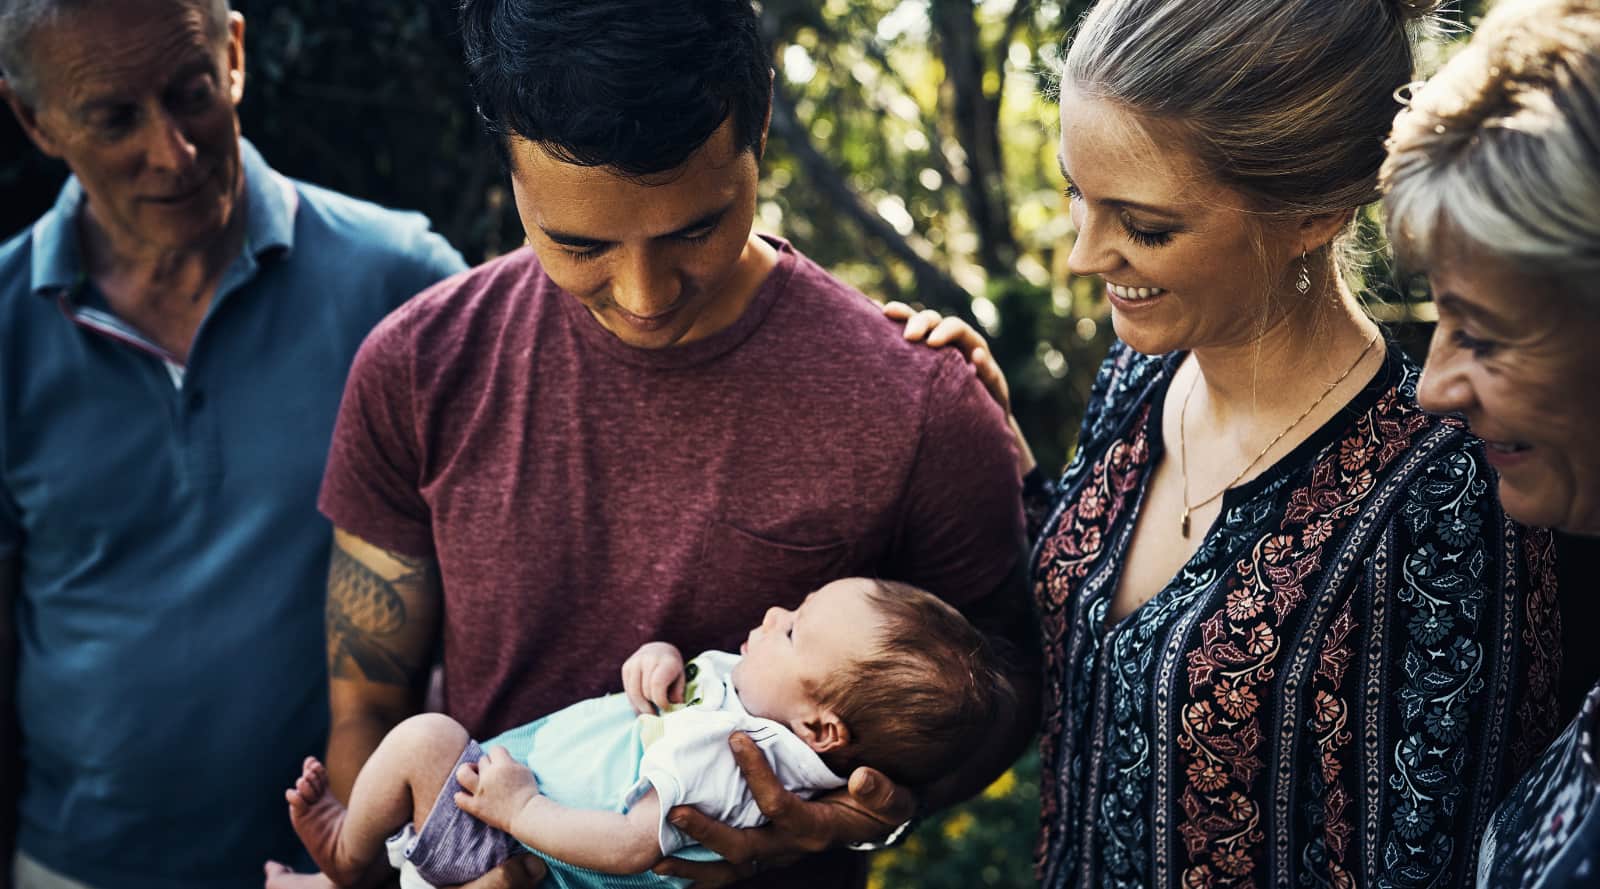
column 825, row 732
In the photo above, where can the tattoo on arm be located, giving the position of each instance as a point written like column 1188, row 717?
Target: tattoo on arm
column 371, row 631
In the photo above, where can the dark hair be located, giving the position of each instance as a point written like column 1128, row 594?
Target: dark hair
column 637, row 85
column 926, row 698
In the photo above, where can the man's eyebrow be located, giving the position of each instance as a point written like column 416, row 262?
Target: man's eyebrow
column 567, row 240
column 198, row 65
column 585, row 243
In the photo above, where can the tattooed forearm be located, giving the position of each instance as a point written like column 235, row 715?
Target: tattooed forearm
column 368, row 633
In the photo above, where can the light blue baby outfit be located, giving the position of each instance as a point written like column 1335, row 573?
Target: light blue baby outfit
column 600, row 754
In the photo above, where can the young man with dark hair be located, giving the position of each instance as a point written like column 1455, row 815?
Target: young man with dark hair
column 650, row 423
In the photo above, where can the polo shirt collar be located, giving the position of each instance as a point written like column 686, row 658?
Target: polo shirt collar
column 270, row 205
column 57, row 264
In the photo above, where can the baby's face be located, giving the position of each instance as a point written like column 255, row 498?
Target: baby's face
column 793, row 651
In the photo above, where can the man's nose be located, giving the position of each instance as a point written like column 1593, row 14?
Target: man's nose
column 645, row 284
column 168, row 146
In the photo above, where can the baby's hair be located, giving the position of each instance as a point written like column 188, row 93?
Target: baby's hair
column 926, row 698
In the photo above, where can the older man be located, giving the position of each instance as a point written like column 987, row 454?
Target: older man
column 174, row 337
column 652, row 423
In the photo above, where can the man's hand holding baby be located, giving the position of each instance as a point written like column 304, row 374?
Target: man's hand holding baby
column 653, row 677
column 867, row 810
column 495, row 788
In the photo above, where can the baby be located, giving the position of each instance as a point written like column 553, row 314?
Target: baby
column 864, row 672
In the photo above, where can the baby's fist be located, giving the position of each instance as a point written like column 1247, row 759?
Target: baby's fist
column 653, row 677
column 495, row 788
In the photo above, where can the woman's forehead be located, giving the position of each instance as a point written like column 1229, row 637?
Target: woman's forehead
column 1111, row 152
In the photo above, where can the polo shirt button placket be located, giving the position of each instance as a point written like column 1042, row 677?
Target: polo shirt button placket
column 202, row 459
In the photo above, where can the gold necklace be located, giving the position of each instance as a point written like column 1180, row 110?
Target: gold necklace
column 1183, row 448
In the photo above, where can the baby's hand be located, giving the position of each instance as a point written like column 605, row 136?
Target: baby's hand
column 496, row 788
column 653, row 677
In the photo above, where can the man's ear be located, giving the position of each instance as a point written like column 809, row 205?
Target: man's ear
column 766, row 124
column 28, row 117
column 824, row 732
column 235, row 57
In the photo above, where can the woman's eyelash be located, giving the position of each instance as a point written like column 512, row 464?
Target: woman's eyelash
column 1137, row 235
column 1479, row 348
column 1144, row 238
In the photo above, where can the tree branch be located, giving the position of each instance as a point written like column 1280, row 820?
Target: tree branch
column 1014, row 20
column 976, row 123
column 935, row 288
column 874, row 52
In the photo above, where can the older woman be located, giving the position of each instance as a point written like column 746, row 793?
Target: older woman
column 1290, row 637
column 1493, row 188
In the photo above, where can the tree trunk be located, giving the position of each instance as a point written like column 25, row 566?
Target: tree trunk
column 976, row 118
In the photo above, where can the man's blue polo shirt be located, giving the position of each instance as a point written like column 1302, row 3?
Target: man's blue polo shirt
column 173, row 565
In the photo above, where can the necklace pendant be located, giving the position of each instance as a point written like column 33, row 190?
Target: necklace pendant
column 1185, row 526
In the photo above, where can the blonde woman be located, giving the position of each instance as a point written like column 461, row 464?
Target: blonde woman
column 1493, row 188
column 1291, row 639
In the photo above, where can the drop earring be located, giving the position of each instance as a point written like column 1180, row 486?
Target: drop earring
column 1303, row 281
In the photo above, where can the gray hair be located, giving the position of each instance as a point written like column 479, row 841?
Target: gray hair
column 20, row 20
column 1286, row 101
column 1502, row 147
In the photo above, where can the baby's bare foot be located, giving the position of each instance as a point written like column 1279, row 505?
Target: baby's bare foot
column 318, row 818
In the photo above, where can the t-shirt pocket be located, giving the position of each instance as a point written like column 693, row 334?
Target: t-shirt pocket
column 741, row 574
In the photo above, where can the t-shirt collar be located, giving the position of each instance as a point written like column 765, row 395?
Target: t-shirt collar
column 270, row 205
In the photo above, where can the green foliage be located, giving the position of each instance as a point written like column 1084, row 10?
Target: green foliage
column 1049, row 342
column 908, row 100
column 988, row 841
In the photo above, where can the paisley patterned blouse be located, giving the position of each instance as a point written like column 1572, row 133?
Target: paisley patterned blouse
column 1546, row 835
column 1334, row 691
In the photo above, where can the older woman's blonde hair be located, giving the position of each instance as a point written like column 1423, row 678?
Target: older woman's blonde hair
column 1502, row 148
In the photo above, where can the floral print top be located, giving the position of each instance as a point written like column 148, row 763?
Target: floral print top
column 1334, row 691
column 1547, row 832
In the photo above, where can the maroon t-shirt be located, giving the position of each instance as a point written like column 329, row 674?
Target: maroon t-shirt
column 583, row 497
